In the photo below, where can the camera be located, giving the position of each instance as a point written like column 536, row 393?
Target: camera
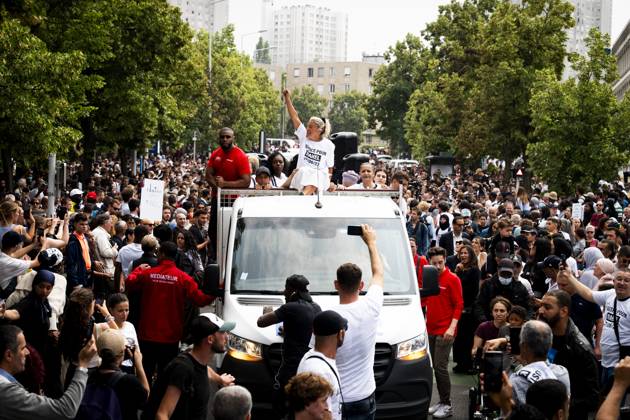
column 491, row 364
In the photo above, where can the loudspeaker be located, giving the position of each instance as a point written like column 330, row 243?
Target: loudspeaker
column 346, row 143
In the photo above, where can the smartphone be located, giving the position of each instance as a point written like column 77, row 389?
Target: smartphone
column 61, row 212
column 355, row 230
column 88, row 333
column 40, row 232
column 493, row 371
column 99, row 301
column 27, row 211
column 515, row 340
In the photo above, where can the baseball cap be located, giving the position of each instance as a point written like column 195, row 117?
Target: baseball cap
column 502, row 249
column 207, row 324
column 528, row 229
column 76, row 191
column 263, row 170
column 91, row 195
column 505, row 265
column 552, row 261
column 50, row 257
column 329, row 323
column 297, row 282
column 466, row 213
column 111, row 341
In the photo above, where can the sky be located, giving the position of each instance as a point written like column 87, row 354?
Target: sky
column 373, row 25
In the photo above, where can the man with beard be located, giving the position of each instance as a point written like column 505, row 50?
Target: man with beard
column 228, row 167
column 329, row 329
column 297, row 315
column 572, row 351
column 183, row 390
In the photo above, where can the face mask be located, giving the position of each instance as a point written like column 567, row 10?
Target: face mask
column 505, row 280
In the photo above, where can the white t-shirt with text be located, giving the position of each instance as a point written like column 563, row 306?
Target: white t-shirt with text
column 609, row 345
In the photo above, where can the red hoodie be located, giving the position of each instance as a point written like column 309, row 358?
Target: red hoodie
column 446, row 306
column 164, row 289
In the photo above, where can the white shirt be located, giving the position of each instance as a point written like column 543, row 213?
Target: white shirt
column 355, row 359
column 316, row 365
column 11, row 267
column 129, row 331
column 315, row 154
column 127, row 255
column 534, row 372
column 105, row 252
column 609, row 345
column 361, row 186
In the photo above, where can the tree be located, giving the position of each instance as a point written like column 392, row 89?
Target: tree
column 261, row 53
column 582, row 132
column 348, row 112
column 488, row 53
column 42, row 97
column 392, row 87
column 308, row 103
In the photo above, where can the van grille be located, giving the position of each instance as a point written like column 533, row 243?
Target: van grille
column 383, row 357
column 396, row 301
column 255, row 301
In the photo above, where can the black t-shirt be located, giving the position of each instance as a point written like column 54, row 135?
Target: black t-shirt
column 131, row 395
column 298, row 328
column 584, row 314
column 189, row 376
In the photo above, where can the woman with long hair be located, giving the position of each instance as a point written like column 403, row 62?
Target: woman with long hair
column 479, row 246
column 541, row 249
column 489, row 330
column 277, row 166
column 469, row 274
column 10, row 215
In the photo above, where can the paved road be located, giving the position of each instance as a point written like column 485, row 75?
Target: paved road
column 460, row 384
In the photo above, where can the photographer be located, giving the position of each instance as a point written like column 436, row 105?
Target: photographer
column 615, row 342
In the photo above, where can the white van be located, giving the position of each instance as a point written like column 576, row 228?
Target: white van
column 264, row 239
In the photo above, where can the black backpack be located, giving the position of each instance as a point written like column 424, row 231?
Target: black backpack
column 100, row 401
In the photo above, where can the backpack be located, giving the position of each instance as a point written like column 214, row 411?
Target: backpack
column 100, row 401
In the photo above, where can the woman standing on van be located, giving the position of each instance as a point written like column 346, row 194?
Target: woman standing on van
column 317, row 153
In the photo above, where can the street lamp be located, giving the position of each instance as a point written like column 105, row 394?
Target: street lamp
column 194, row 139
column 251, row 33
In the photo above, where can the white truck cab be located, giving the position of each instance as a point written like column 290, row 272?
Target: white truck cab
column 265, row 239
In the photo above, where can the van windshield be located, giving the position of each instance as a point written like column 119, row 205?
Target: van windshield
column 268, row 250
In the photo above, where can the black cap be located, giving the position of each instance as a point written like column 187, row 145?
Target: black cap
column 528, row 229
column 552, row 261
column 207, row 324
column 329, row 323
column 505, row 265
column 297, row 282
column 263, row 170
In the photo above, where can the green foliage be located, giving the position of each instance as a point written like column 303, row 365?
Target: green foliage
column 308, row 103
column 483, row 59
column 262, row 52
column 582, row 133
column 42, row 96
column 348, row 112
column 392, row 87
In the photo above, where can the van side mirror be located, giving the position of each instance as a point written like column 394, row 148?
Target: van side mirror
column 211, row 281
column 430, row 283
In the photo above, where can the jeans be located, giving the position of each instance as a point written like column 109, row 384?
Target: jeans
column 440, row 350
column 364, row 409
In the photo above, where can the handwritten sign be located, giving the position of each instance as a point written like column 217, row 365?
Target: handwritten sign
column 577, row 212
column 152, row 199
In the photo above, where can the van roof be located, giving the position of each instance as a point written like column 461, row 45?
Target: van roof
column 304, row 206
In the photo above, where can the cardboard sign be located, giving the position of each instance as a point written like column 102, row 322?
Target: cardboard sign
column 577, row 212
column 152, row 200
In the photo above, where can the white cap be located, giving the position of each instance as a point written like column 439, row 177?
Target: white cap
column 76, row 191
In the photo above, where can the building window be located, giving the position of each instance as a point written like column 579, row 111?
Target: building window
column 346, row 71
column 310, row 72
column 346, row 87
column 320, row 72
column 320, row 89
column 370, row 73
column 332, row 72
column 332, row 88
column 296, row 72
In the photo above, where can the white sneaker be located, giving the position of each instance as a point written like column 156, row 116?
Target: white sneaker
column 443, row 412
column 434, row 408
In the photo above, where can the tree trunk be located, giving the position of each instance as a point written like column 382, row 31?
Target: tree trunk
column 7, row 169
column 122, row 155
column 89, row 146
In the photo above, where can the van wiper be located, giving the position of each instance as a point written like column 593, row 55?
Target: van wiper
column 256, row 292
column 331, row 293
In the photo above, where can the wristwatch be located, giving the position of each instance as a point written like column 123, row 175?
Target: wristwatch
column 82, row 369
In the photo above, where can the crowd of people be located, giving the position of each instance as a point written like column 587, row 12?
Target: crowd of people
column 100, row 307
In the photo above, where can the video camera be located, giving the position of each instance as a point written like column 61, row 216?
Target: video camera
column 492, row 364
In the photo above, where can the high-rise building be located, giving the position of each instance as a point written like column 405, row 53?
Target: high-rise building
column 587, row 14
column 621, row 49
column 204, row 14
column 304, row 34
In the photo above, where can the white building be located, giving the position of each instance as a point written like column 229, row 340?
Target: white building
column 304, row 34
column 203, row 14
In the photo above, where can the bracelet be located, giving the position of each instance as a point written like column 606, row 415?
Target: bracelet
column 109, row 318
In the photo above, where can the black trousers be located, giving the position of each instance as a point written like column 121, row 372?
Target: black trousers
column 155, row 356
column 464, row 341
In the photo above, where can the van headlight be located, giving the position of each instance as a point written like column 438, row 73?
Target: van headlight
column 413, row 349
column 244, row 349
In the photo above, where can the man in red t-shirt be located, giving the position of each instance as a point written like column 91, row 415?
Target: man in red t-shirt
column 443, row 313
column 228, row 167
